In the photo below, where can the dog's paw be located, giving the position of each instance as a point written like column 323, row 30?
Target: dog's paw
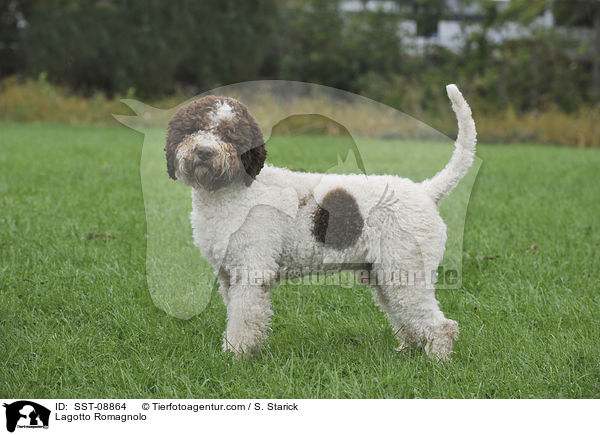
column 402, row 348
column 406, row 342
column 239, row 350
column 439, row 344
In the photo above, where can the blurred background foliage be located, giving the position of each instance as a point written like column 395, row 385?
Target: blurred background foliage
column 71, row 60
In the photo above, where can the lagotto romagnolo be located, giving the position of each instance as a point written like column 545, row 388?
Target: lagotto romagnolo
column 257, row 223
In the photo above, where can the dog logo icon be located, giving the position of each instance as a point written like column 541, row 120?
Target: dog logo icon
column 26, row 414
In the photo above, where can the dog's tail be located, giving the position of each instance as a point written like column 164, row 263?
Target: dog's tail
column 444, row 181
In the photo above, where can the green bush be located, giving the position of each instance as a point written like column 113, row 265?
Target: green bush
column 39, row 101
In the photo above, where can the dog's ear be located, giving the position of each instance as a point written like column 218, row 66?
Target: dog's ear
column 182, row 124
column 253, row 158
column 170, row 149
column 244, row 133
column 253, row 161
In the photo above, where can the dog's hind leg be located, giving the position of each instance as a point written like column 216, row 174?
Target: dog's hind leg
column 421, row 319
column 405, row 338
column 413, row 311
column 403, row 267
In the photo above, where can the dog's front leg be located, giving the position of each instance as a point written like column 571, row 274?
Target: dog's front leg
column 252, row 262
column 248, row 315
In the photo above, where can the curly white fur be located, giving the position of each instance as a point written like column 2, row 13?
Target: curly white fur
column 259, row 234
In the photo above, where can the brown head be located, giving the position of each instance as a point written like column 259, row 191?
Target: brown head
column 213, row 142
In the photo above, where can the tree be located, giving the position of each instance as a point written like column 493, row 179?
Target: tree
column 147, row 45
column 584, row 14
column 12, row 21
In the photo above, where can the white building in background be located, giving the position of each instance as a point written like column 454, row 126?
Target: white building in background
column 457, row 22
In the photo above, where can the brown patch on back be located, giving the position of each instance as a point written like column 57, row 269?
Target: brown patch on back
column 337, row 220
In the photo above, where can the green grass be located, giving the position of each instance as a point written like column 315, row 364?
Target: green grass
column 77, row 319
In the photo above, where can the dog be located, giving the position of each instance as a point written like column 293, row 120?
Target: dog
column 258, row 224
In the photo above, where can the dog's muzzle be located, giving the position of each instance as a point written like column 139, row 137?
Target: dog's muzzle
column 202, row 158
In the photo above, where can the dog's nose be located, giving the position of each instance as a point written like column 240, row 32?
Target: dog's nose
column 204, row 153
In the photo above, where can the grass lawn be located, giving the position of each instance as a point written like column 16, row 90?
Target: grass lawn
column 77, row 319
